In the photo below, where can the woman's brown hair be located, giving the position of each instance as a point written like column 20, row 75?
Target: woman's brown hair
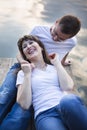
column 33, row 38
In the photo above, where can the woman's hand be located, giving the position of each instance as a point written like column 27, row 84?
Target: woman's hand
column 54, row 58
column 27, row 67
column 20, row 58
column 66, row 82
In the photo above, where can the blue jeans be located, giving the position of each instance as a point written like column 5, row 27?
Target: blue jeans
column 12, row 116
column 8, row 91
column 17, row 119
column 70, row 114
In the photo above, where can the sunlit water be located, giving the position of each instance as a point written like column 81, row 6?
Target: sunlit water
column 18, row 17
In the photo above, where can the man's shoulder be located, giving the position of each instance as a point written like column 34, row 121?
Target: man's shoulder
column 39, row 30
column 41, row 27
column 72, row 40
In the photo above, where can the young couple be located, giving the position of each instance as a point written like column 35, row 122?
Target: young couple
column 44, row 82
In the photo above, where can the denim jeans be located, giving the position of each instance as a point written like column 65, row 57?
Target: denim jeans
column 16, row 119
column 8, row 91
column 12, row 116
column 70, row 114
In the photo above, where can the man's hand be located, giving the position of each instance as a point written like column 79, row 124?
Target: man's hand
column 66, row 63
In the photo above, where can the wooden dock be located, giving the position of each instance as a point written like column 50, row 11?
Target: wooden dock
column 6, row 63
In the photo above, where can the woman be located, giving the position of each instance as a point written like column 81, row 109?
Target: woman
column 43, row 82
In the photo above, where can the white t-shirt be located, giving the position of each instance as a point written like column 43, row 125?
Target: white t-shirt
column 62, row 48
column 46, row 92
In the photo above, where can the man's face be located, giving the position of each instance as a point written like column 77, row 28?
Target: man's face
column 56, row 33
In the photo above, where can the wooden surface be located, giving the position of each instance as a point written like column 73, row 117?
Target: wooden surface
column 5, row 64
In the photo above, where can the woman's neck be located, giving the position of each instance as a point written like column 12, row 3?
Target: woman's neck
column 40, row 64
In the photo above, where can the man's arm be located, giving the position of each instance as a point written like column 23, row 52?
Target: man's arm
column 66, row 62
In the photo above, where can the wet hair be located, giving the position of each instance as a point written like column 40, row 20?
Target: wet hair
column 33, row 38
column 70, row 25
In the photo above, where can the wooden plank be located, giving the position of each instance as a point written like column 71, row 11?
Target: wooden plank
column 5, row 64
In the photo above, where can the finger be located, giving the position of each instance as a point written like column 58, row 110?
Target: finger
column 52, row 56
column 32, row 66
column 67, row 63
column 24, row 62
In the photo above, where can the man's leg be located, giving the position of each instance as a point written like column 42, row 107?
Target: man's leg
column 17, row 119
column 74, row 112
column 8, row 91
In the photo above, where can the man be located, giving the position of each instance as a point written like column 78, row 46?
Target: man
column 60, row 38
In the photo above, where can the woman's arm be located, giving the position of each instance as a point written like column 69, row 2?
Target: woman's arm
column 24, row 94
column 66, row 82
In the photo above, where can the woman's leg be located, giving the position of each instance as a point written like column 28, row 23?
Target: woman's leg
column 49, row 120
column 8, row 91
column 17, row 119
column 74, row 112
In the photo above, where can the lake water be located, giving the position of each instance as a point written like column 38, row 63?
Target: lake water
column 18, row 17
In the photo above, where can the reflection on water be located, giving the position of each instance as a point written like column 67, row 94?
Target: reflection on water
column 18, row 17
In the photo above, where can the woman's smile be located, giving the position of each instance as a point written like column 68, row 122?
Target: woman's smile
column 31, row 50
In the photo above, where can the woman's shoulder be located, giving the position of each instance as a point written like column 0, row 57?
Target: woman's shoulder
column 21, row 73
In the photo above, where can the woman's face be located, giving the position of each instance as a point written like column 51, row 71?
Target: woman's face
column 31, row 49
